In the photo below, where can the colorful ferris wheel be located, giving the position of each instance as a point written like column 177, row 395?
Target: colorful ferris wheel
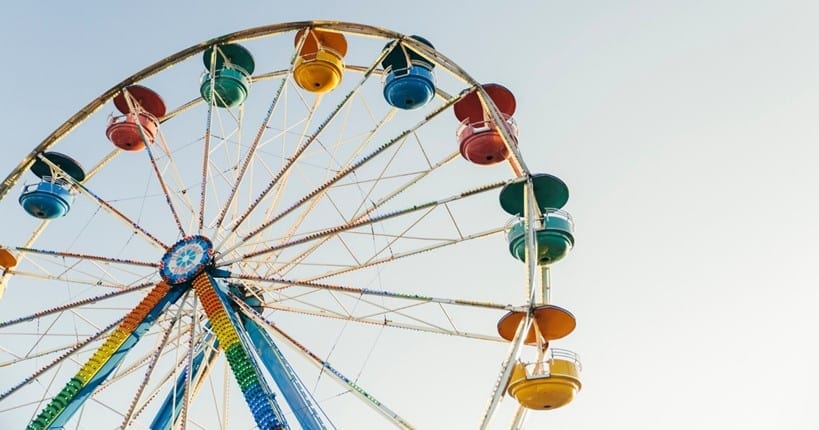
column 275, row 228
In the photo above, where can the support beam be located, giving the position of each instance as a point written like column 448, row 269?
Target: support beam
column 285, row 377
column 258, row 395
column 206, row 352
column 106, row 359
column 317, row 361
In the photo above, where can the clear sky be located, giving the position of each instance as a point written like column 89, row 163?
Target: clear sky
column 685, row 130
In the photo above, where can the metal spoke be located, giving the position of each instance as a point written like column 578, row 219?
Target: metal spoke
column 294, row 226
column 257, row 139
column 73, row 305
column 399, row 255
column 59, row 360
column 361, row 212
column 366, row 397
column 292, row 160
column 151, row 365
column 83, row 256
column 371, row 292
column 107, row 206
column 363, row 222
column 131, row 106
column 382, row 322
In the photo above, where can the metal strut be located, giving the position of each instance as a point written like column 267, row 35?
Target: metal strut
column 106, row 359
column 206, row 352
column 286, row 379
column 257, row 393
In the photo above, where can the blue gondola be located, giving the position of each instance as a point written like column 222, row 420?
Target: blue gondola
column 53, row 196
column 409, row 83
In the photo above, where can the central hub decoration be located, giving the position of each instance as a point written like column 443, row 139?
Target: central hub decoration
column 186, row 259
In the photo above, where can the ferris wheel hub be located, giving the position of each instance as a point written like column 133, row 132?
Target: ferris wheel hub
column 186, row 259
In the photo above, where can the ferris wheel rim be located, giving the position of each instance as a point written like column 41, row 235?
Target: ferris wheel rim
column 185, row 54
column 256, row 32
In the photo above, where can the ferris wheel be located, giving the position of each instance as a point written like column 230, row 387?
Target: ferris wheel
column 276, row 228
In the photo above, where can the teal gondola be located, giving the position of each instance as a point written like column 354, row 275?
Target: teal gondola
column 232, row 67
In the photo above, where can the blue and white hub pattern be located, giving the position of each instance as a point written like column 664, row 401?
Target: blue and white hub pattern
column 186, row 259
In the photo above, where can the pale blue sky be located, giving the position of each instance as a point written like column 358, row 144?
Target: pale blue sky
column 686, row 132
